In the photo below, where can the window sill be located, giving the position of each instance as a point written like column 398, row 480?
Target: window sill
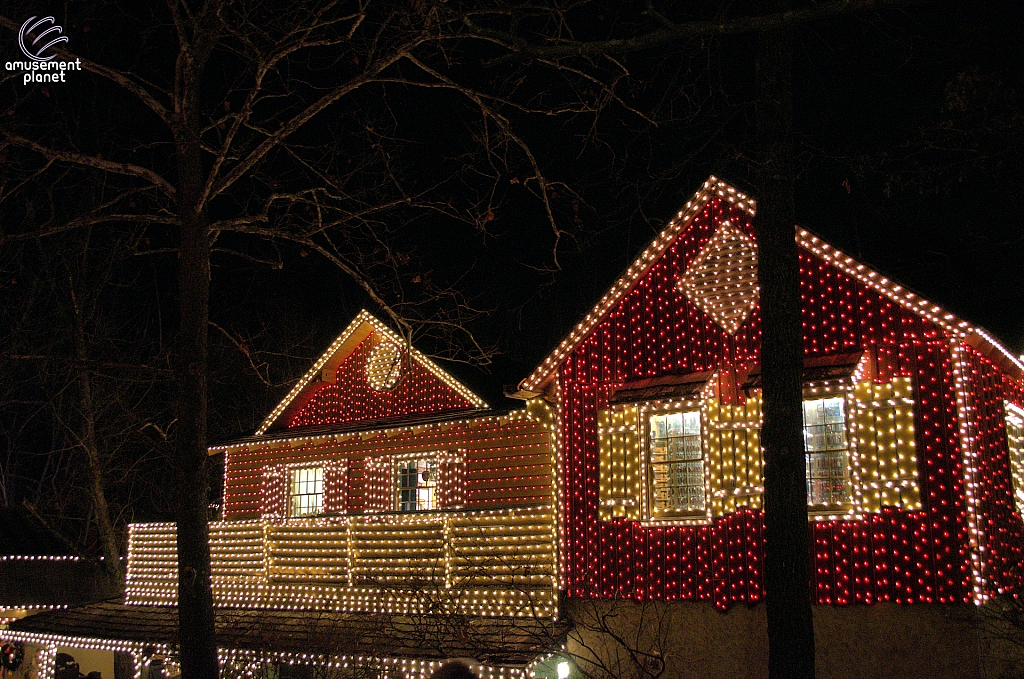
column 691, row 519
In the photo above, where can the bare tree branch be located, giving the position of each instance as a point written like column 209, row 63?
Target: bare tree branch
column 264, row 67
column 299, row 120
column 110, row 74
column 128, row 169
column 671, row 32
column 503, row 123
column 89, row 363
column 89, row 220
column 245, row 351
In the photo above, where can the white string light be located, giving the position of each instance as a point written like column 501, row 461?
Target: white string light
column 363, row 323
column 715, row 187
column 712, row 188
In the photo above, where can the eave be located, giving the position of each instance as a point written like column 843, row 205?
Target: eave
column 324, row 367
column 975, row 336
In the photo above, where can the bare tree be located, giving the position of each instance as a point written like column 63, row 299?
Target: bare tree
column 87, row 376
column 614, row 640
column 232, row 133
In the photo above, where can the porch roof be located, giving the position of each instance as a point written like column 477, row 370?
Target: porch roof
column 491, row 641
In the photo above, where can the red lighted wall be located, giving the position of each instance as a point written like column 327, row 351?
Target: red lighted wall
column 999, row 521
column 351, row 398
column 891, row 556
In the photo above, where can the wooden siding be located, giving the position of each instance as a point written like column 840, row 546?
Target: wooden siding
column 508, row 461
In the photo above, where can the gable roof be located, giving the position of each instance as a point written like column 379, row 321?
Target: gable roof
column 363, row 325
column 317, row 635
column 715, row 187
column 974, row 335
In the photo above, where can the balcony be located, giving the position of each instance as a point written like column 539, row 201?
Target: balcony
column 499, row 562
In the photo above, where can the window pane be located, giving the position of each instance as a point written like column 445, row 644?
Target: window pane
column 676, row 463
column 833, row 408
column 691, row 423
column 307, row 491
column 417, row 485
column 814, row 413
column 828, row 474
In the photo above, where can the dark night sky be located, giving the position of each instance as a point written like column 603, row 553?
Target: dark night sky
column 909, row 140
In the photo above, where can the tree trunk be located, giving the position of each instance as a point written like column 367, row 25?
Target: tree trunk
column 198, row 646
column 96, row 468
column 786, row 564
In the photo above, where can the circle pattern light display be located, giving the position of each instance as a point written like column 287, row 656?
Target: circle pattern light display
column 384, row 366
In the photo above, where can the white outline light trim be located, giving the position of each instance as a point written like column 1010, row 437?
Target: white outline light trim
column 366, row 317
column 715, row 187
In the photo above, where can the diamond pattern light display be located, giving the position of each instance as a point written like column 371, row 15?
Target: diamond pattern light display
column 722, row 279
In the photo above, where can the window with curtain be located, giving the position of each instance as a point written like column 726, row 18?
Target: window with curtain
column 306, row 495
column 416, row 485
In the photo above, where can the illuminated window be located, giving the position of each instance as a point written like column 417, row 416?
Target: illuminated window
column 1015, row 442
column 676, row 457
column 828, row 458
column 416, row 485
column 307, row 492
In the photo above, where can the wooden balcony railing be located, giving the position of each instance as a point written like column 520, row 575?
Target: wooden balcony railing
column 489, row 562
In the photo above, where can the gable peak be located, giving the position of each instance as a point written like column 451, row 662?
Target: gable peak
column 384, row 367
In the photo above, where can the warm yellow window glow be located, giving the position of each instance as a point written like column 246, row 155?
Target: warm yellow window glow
column 306, row 496
column 828, row 458
column 416, row 485
column 676, row 458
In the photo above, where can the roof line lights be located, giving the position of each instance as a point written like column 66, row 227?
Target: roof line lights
column 366, row 317
column 713, row 188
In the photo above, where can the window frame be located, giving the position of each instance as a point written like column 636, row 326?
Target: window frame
column 1015, row 414
column 835, row 387
column 832, row 389
column 292, row 481
column 645, row 412
column 396, row 486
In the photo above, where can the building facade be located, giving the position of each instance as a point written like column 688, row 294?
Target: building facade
column 383, row 518
column 912, row 429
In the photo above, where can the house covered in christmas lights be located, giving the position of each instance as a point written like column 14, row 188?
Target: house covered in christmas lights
column 913, row 435
column 382, row 519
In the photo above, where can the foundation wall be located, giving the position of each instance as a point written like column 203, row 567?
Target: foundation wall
column 887, row 641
